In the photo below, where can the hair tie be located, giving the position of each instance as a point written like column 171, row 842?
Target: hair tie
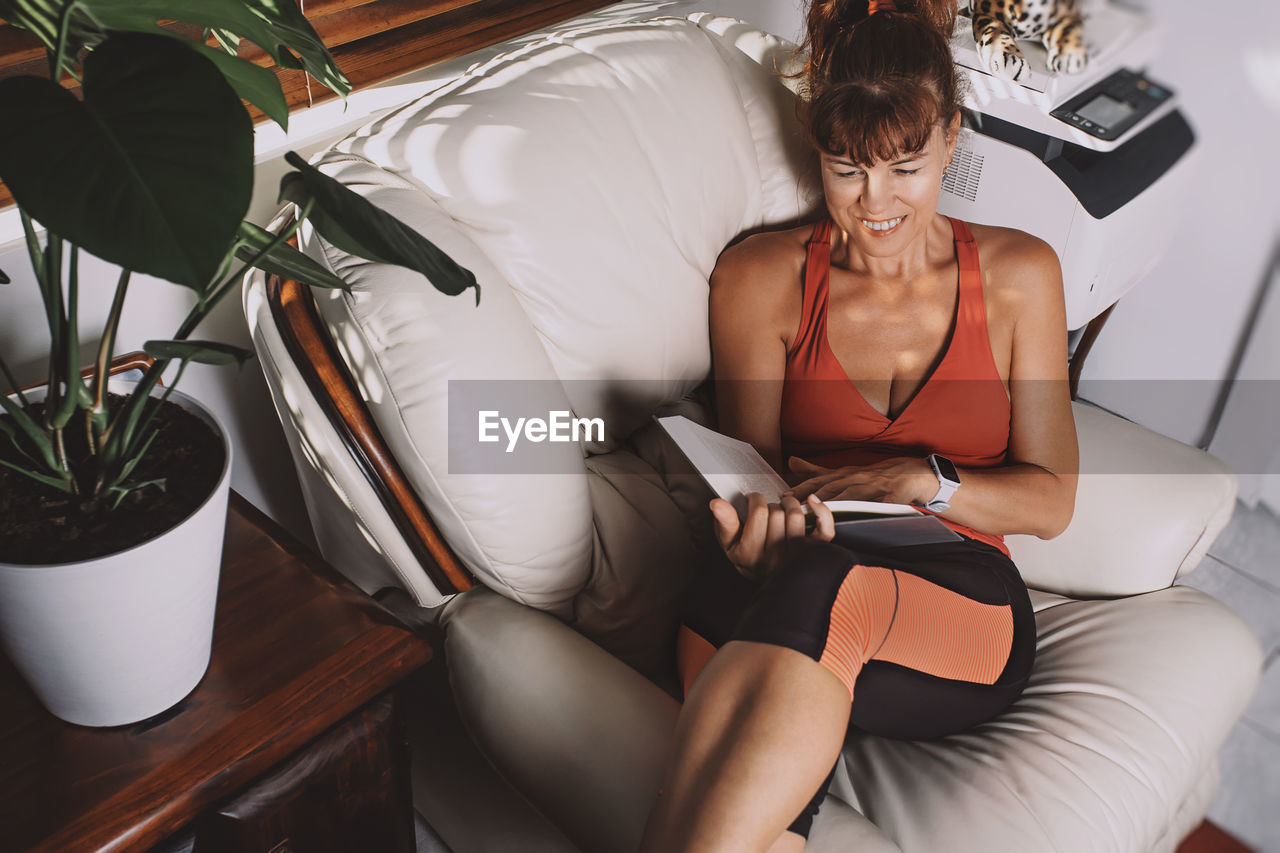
column 874, row 6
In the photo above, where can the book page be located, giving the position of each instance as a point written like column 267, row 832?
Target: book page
column 871, row 508
column 733, row 469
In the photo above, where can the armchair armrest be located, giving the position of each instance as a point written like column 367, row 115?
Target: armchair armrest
column 582, row 735
column 1147, row 510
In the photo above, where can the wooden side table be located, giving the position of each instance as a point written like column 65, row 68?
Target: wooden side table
column 292, row 741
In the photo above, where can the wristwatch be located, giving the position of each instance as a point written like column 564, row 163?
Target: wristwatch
column 948, row 482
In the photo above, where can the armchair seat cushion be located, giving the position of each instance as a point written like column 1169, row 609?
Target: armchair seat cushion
column 1128, row 703
column 1119, row 728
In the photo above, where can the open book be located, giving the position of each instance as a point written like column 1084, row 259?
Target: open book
column 733, row 469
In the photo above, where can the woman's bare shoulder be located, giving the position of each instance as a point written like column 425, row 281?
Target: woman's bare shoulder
column 756, row 282
column 1017, row 268
column 763, row 269
column 763, row 259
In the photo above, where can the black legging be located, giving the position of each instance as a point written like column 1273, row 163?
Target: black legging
column 793, row 609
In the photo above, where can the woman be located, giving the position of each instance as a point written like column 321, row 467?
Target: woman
column 853, row 351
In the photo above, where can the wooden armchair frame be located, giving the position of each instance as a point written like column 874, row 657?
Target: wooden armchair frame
column 330, row 383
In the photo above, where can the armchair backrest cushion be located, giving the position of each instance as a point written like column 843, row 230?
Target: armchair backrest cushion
column 590, row 181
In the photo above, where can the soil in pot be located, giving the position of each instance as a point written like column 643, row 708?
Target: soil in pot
column 41, row 525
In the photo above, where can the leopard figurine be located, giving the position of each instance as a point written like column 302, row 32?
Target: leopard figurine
column 1056, row 23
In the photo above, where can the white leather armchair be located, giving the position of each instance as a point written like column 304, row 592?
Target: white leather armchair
column 590, row 180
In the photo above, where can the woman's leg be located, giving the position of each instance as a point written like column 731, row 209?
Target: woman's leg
column 757, row 736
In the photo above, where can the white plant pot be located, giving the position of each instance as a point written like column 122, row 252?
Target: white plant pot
column 120, row 638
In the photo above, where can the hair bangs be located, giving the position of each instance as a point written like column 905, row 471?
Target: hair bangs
column 874, row 122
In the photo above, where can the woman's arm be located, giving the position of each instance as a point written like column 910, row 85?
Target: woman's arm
column 1034, row 492
column 754, row 308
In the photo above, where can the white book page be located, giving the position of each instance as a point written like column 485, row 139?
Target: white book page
column 872, row 506
column 734, row 468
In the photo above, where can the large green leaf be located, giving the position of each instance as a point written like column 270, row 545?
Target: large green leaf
column 257, row 85
column 282, row 259
column 277, row 26
column 229, row 41
column 34, row 433
column 350, row 222
column 153, row 170
column 61, row 484
column 201, row 352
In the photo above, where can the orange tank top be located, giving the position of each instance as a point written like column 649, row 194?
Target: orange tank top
column 962, row 410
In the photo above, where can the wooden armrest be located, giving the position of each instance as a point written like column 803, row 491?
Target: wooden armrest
column 316, row 359
column 137, row 360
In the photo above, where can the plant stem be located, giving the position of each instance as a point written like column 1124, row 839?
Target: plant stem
column 57, row 327
column 202, row 309
column 73, row 385
column 131, row 414
column 61, row 450
column 33, row 247
column 107, row 345
column 56, row 61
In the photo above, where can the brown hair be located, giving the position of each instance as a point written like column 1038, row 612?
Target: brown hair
column 876, row 85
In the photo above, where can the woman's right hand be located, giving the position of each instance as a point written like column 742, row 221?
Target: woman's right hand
column 754, row 544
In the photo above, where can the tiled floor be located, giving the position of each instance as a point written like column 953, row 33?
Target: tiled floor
column 1243, row 571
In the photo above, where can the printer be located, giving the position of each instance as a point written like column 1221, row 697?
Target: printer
column 1095, row 164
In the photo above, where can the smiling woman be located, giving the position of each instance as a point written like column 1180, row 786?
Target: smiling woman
column 884, row 353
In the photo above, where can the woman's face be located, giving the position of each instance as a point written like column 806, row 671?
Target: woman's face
column 885, row 206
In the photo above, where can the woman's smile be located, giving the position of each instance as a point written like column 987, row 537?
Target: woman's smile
column 882, row 227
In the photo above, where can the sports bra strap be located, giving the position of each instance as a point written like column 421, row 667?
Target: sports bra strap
column 817, row 266
column 972, row 303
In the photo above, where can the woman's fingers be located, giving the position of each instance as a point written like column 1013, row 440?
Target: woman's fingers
column 777, row 525
column 825, row 530
column 832, row 491
column 793, row 517
column 807, row 487
column 728, row 526
column 751, row 540
column 743, row 540
column 803, row 466
column 755, row 527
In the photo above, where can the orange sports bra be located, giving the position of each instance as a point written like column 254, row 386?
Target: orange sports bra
column 962, row 411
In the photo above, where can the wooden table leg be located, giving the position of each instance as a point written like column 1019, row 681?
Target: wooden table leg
column 347, row 790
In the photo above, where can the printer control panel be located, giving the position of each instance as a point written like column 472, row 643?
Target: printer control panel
column 1113, row 105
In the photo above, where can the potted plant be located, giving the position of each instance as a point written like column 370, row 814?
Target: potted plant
column 112, row 501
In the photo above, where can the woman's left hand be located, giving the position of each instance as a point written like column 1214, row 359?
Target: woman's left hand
column 901, row 480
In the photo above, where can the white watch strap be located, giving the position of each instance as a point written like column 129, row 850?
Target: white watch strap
column 945, row 491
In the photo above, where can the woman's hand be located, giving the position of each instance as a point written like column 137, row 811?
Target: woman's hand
column 900, row 480
column 754, row 543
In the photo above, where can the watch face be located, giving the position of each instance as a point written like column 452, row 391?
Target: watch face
column 946, row 469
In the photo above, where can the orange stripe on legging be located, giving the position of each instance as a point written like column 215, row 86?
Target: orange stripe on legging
column 899, row 618
column 692, row 653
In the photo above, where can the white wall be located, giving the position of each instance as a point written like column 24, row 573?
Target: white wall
column 1183, row 323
